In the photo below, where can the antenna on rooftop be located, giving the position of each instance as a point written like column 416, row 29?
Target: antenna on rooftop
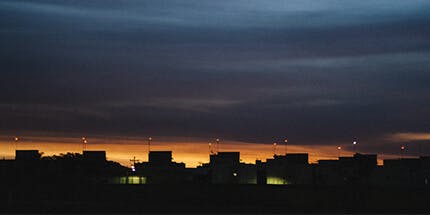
column 134, row 160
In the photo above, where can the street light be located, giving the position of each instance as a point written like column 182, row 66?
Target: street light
column 339, row 148
column 286, row 141
column 353, row 146
column 149, row 144
column 84, row 143
column 402, row 149
column 217, row 145
column 16, row 139
column 210, row 148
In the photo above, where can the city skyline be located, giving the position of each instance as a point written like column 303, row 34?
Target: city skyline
column 190, row 151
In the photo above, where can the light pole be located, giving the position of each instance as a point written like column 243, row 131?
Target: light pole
column 210, row 148
column 353, row 146
column 217, row 145
column 402, row 149
column 286, row 141
column 16, row 139
column 84, row 144
column 149, row 144
column 339, row 148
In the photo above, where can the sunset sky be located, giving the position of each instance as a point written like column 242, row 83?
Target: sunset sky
column 320, row 73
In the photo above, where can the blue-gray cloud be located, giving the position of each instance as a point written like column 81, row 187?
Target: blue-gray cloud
column 320, row 72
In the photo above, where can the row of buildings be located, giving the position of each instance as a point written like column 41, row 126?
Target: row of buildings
column 294, row 168
column 224, row 168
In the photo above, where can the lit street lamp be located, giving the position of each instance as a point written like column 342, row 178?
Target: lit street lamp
column 16, row 139
column 84, row 143
column 286, row 141
column 149, row 144
column 353, row 146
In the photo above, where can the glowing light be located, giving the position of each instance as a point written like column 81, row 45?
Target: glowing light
column 234, row 174
column 276, row 180
column 339, row 148
column 354, row 143
column 15, row 139
column 402, row 147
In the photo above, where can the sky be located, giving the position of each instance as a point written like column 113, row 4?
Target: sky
column 320, row 73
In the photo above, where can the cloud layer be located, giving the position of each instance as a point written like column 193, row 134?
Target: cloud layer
column 317, row 72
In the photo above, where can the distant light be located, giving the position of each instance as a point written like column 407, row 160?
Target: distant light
column 286, row 140
column 210, row 144
column 85, row 141
column 274, row 144
column 339, row 148
column 217, row 140
column 83, row 138
column 355, row 142
column 15, row 139
column 150, row 138
column 234, row 174
column 402, row 147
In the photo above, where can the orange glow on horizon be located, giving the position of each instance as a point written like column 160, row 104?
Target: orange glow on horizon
column 190, row 151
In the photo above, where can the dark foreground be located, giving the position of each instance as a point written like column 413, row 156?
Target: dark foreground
column 211, row 199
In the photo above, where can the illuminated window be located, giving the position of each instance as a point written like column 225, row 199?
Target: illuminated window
column 276, row 180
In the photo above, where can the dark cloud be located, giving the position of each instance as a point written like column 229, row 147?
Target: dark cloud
column 320, row 73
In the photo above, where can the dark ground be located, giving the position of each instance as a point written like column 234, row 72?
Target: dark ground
column 107, row 198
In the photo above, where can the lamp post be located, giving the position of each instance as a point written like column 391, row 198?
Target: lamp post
column 339, row 148
column 210, row 148
column 402, row 149
column 149, row 144
column 286, row 141
column 16, row 139
column 217, row 145
column 353, row 146
column 84, row 143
